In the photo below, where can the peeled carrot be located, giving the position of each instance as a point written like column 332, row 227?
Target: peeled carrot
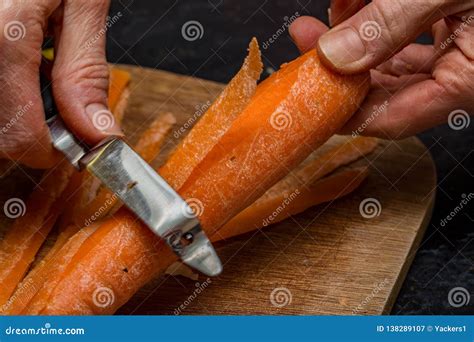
column 329, row 188
column 254, row 153
column 149, row 256
column 215, row 122
column 26, row 235
column 276, row 208
column 293, row 112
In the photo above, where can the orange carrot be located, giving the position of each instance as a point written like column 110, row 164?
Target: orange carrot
column 149, row 256
column 26, row 235
column 215, row 121
column 293, row 112
column 276, row 208
column 127, row 268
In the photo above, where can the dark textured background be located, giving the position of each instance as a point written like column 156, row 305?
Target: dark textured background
column 149, row 34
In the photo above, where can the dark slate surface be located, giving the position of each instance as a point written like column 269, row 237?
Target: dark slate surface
column 149, row 34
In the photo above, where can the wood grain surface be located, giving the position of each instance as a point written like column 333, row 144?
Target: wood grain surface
column 328, row 260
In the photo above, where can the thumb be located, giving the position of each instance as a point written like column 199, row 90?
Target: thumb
column 375, row 33
column 80, row 71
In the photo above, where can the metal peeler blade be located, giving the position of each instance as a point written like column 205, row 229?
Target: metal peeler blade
column 142, row 190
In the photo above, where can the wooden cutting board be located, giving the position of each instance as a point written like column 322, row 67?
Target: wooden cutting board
column 327, row 260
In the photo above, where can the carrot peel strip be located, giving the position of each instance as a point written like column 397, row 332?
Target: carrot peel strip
column 215, row 122
column 276, row 208
column 118, row 82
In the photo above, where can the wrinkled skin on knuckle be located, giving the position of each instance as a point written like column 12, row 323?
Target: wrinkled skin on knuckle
column 397, row 21
column 87, row 9
column 82, row 77
column 385, row 14
column 91, row 15
column 455, row 74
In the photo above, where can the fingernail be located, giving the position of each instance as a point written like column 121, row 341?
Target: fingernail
column 103, row 119
column 342, row 47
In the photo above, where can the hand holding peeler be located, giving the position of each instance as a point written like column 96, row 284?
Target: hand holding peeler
column 140, row 188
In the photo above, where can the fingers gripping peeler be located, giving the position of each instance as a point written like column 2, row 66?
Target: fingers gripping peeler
column 140, row 188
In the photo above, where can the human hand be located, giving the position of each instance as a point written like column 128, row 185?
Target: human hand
column 79, row 74
column 413, row 87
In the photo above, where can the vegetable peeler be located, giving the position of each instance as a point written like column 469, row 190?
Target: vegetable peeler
column 139, row 187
